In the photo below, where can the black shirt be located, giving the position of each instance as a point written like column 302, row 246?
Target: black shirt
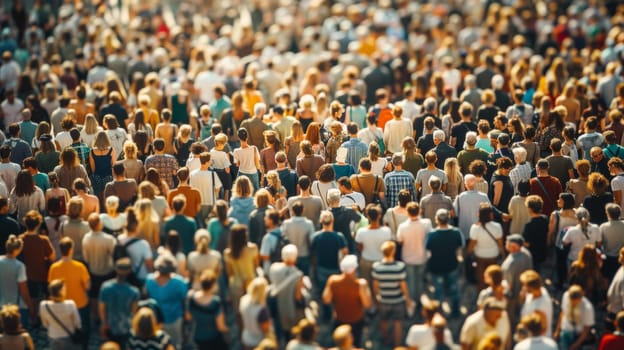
column 536, row 234
column 9, row 227
column 419, row 123
column 459, row 132
column 325, row 247
column 595, row 205
column 507, row 193
column 118, row 111
column 342, row 223
column 443, row 245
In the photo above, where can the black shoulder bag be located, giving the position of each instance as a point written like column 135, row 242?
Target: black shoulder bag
column 78, row 336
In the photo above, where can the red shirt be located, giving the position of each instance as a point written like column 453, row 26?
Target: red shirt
column 612, row 342
column 552, row 186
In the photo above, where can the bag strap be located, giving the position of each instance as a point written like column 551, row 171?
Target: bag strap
column 376, row 183
column 214, row 187
column 289, row 278
column 492, row 237
column 545, row 192
column 58, row 321
column 318, row 188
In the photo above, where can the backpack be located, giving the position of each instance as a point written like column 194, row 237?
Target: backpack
column 121, row 251
column 276, row 254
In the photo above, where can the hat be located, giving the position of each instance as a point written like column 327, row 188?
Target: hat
column 123, row 264
column 45, row 137
column 493, row 303
column 349, row 264
column 515, row 238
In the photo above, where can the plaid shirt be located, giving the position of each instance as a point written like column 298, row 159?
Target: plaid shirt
column 165, row 164
column 395, row 182
column 520, row 172
column 83, row 153
column 356, row 151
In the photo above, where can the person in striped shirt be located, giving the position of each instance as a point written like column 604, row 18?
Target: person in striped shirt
column 391, row 295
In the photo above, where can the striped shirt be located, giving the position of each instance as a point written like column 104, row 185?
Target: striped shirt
column 389, row 275
column 356, row 151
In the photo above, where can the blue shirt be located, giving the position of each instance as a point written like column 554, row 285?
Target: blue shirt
column 170, row 296
column 217, row 107
column 590, row 140
column 118, row 298
column 356, row 151
column 42, row 181
column 395, row 182
column 27, row 130
column 186, row 227
column 20, row 150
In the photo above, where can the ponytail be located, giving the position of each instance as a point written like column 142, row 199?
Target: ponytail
column 132, row 221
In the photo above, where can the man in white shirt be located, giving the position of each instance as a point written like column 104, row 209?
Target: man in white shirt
column 536, row 340
column 11, row 108
column 204, row 84
column 396, row 130
column 411, row 234
column 616, row 167
column 466, row 205
column 208, row 184
column 536, row 299
column 350, row 198
column 491, row 318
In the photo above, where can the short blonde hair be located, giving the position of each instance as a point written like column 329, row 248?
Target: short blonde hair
column 130, row 150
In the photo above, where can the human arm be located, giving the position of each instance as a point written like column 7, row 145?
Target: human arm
column 25, row 295
column 408, row 301
column 104, row 325
column 327, row 292
column 364, row 292
column 498, row 192
column 92, row 161
column 471, row 245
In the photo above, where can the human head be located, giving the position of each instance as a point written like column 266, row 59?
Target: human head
column 32, row 220
column 333, row 197
column 514, row 243
column 442, row 217
column 534, row 204
column 613, row 211
column 492, row 310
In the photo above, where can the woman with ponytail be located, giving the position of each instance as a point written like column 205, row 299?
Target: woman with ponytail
column 203, row 258
column 219, row 226
column 580, row 235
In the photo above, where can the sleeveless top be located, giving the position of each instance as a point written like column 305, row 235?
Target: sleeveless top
column 103, row 165
column 347, row 303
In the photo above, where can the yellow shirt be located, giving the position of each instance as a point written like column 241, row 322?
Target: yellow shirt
column 76, row 279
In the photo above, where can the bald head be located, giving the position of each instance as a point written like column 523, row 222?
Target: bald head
column 469, row 181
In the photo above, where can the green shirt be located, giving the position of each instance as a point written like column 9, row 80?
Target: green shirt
column 186, row 227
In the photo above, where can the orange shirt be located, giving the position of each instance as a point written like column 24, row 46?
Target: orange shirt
column 347, row 302
column 193, row 199
column 76, row 279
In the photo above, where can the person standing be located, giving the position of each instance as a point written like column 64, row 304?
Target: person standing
column 411, row 235
column 124, row 188
column 491, row 318
column 355, row 147
column 535, row 231
column 60, row 316
column 397, row 180
column 431, row 203
column 391, row 294
column 118, row 301
column 13, row 276
column 370, row 239
column 442, row 245
column 350, row 297
column 485, row 242
column 396, row 130
column 205, row 309
column 534, row 325
column 169, row 290
column 76, row 281
column 298, row 230
column 165, row 164
column 97, row 252
column 208, row 184
column 546, row 186
column 184, row 225
column 536, row 300
column 612, row 239
column 517, row 261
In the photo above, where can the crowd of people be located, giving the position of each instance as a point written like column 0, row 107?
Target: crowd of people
column 215, row 175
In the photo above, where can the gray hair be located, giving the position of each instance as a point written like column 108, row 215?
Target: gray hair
column 435, row 183
column 470, row 80
column 290, row 253
column 333, row 196
column 259, row 108
column 520, row 154
column 430, row 104
column 613, row 211
column 498, row 81
column 439, row 135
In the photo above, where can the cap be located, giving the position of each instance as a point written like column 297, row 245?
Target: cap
column 123, row 264
column 515, row 238
column 493, row 303
column 349, row 264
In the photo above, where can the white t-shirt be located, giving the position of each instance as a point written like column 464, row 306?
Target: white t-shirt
column 320, row 189
column 542, row 304
column 12, row 112
column 246, row 159
column 219, row 159
column 202, row 181
column 586, row 315
column 475, row 328
column 348, row 200
column 537, row 343
column 485, row 246
column 64, row 139
column 577, row 239
column 421, row 336
column 394, row 133
column 371, row 240
column 377, row 167
column 411, row 234
column 617, row 184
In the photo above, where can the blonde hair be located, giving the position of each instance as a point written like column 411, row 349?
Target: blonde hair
column 130, row 150
column 148, row 221
column 262, row 199
column 296, row 131
column 101, row 140
column 185, row 132
column 220, row 139
column 144, row 323
column 451, row 168
column 242, row 187
column 256, row 292
column 91, row 124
